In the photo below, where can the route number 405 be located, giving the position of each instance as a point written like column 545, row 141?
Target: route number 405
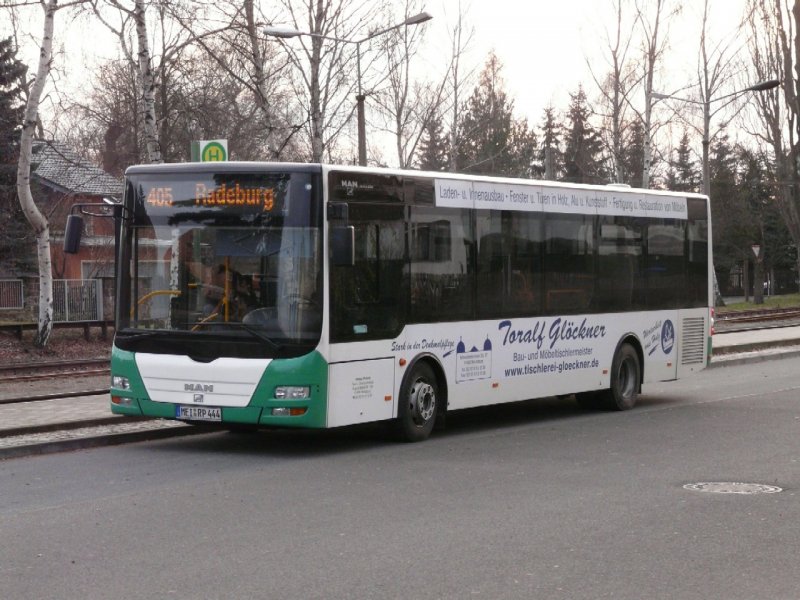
column 160, row 196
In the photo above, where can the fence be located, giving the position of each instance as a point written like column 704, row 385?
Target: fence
column 73, row 300
column 77, row 300
column 76, row 303
column 11, row 295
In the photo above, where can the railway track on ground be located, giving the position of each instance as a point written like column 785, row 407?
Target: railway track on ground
column 760, row 315
column 27, row 373
column 36, row 371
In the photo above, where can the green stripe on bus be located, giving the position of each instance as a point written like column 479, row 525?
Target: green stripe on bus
column 309, row 370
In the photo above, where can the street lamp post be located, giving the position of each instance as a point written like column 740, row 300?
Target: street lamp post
column 284, row 32
column 706, row 104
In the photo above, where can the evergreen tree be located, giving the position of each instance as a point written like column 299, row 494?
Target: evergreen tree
column 764, row 224
column 683, row 174
column 432, row 153
column 492, row 142
column 633, row 154
column 732, row 226
column 522, row 151
column 583, row 152
column 551, row 141
column 15, row 235
column 485, row 127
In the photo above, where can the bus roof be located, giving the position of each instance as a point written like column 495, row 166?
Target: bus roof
column 296, row 167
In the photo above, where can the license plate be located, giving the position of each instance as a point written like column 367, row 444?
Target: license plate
column 198, row 413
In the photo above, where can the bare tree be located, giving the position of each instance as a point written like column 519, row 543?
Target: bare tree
column 38, row 221
column 148, row 85
column 653, row 19
column 147, row 79
column 325, row 61
column 775, row 55
column 461, row 35
column 617, row 86
column 236, row 43
column 716, row 68
column 407, row 106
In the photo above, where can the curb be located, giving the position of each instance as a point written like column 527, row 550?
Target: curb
column 79, row 442
column 69, row 425
column 754, row 353
column 53, row 396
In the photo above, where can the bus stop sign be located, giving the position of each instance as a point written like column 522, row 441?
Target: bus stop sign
column 210, row 151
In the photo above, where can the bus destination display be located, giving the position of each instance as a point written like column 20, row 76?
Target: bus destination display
column 260, row 198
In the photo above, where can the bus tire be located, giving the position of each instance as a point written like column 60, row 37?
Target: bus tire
column 419, row 398
column 626, row 376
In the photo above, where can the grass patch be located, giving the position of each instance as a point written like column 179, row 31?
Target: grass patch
column 785, row 301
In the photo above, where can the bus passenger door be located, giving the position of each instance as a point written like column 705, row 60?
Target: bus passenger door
column 360, row 391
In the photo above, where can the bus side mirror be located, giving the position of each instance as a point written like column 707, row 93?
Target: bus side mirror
column 72, row 234
column 343, row 245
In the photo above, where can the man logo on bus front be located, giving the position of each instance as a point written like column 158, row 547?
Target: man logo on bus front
column 667, row 336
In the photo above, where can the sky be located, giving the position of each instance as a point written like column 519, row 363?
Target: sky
column 542, row 44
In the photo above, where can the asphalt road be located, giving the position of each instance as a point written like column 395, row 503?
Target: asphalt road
column 536, row 500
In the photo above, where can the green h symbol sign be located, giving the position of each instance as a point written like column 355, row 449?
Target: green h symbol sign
column 213, row 152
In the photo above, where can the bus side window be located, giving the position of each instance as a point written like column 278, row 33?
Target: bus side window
column 620, row 278
column 665, row 264
column 368, row 298
column 569, row 263
column 439, row 253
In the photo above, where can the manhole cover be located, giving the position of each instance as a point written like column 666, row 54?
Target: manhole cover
column 716, row 487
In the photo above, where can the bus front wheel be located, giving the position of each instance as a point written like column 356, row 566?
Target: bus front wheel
column 626, row 375
column 416, row 414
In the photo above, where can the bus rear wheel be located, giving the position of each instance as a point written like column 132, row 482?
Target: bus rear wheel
column 626, row 376
column 419, row 395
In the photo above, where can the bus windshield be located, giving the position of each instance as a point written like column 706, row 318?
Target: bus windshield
column 222, row 255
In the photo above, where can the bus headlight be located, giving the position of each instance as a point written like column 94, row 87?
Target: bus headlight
column 292, row 392
column 120, row 383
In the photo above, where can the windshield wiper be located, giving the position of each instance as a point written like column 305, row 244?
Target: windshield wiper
column 255, row 332
column 136, row 335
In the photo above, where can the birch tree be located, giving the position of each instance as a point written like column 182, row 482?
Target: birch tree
column 145, row 70
column 148, row 85
column 38, row 221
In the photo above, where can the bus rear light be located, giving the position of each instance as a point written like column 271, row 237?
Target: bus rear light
column 713, row 321
column 121, row 401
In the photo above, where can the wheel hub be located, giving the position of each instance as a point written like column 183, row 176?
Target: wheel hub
column 423, row 401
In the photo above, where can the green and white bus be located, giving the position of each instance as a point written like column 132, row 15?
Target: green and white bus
column 316, row 296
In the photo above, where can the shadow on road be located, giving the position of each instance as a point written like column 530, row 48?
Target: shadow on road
column 302, row 443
